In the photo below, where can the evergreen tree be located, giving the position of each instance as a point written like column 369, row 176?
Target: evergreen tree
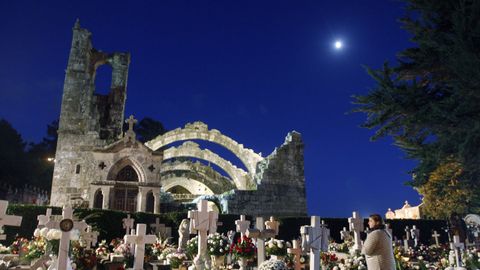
column 429, row 101
column 14, row 164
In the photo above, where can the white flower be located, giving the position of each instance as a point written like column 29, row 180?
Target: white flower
column 271, row 245
column 221, row 250
column 43, row 232
column 211, row 250
column 280, row 245
column 74, row 266
column 57, row 234
column 36, row 233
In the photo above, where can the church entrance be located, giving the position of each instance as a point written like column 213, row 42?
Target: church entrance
column 125, row 190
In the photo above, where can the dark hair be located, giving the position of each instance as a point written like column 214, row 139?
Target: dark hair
column 378, row 220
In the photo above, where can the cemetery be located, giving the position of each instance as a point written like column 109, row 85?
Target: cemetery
column 166, row 203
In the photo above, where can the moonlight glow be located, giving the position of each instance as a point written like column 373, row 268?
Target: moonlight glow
column 338, row 44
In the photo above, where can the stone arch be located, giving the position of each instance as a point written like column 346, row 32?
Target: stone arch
column 122, row 163
column 98, row 199
column 241, row 178
column 189, row 184
column 199, row 130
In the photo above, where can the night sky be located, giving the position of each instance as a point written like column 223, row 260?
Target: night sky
column 254, row 70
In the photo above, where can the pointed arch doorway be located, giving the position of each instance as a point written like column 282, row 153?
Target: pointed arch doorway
column 125, row 190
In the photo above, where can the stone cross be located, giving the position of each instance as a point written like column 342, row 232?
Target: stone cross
column 128, row 224
column 202, row 221
column 407, row 233
column 457, row 246
column 161, row 229
column 344, row 234
column 130, row 134
column 272, row 224
column 139, row 240
column 131, row 121
column 415, row 235
column 297, row 253
column 43, row 219
column 311, row 240
column 66, row 225
column 356, row 224
column 242, row 225
column 8, row 220
column 90, row 237
column 407, row 242
column 260, row 234
column 435, row 235
column 325, row 236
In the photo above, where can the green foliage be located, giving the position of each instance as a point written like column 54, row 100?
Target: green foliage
column 12, row 157
column 428, row 102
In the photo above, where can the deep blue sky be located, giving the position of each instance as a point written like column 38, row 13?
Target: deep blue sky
column 254, row 70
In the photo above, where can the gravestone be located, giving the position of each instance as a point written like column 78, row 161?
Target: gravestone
column 128, row 224
column 90, row 237
column 201, row 222
column 407, row 242
column 325, row 236
column 260, row 234
column 344, row 234
column 435, row 236
column 356, row 225
column 272, row 224
column 296, row 251
column 7, row 220
column 43, row 219
column 139, row 240
column 161, row 229
column 415, row 235
column 311, row 241
column 242, row 225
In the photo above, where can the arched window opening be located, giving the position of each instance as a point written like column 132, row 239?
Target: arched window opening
column 127, row 174
column 150, row 202
column 98, row 199
column 103, row 79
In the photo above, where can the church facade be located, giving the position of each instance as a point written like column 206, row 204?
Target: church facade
column 98, row 165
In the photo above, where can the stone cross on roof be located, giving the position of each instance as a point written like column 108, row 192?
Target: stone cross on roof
column 311, row 240
column 43, row 219
column 8, row 220
column 128, row 224
column 356, row 224
column 130, row 134
column 272, row 224
column 139, row 240
column 242, row 225
column 297, row 253
column 66, row 225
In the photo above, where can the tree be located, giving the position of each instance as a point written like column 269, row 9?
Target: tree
column 13, row 161
column 428, row 102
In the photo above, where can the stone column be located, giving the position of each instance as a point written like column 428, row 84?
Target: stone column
column 106, row 197
column 156, row 204
column 142, row 200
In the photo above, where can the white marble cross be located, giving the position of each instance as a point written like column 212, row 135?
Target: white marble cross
column 161, row 229
column 356, row 224
column 415, row 235
column 66, row 225
column 297, row 253
column 311, row 240
column 43, row 219
column 90, row 237
column 344, row 234
column 325, row 236
column 242, row 225
column 457, row 246
column 407, row 233
column 9, row 220
column 139, row 240
column 272, row 224
column 202, row 221
column 435, row 235
column 260, row 234
column 128, row 224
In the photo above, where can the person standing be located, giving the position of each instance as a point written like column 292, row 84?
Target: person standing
column 377, row 248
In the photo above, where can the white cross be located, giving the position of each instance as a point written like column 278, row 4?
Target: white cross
column 260, row 234
column 344, row 234
column 407, row 233
column 325, row 236
column 139, row 240
column 8, row 220
column 356, row 224
column 202, row 221
column 242, row 225
column 43, row 219
column 128, row 224
column 90, row 237
column 415, row 235
column 457, row 246
column 161, row 229
column 435, row 235
column 67, row 214
column 272, row 224
column 311, row 240
column 297, row 253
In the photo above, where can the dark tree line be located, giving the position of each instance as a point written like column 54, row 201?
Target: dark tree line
column 26, row 163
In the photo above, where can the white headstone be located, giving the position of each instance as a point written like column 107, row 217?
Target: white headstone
column 296, row 251
column 202, row 221
column 415, row 235
column 242, row 225
column 90, row 237
column 325, row 236
column 311, row 240
column 272, row 224
column 8, row 220
column 128, row 224
column 356, row 225
column 344, row 234
column 435, row 235
column 161, row 229
column 457, row 246
column 43, row 219
column 260, row 234
column 139, row 240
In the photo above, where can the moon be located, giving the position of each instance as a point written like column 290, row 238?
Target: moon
column 338, row 44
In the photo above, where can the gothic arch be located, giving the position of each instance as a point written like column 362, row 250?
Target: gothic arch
column 122, row 163
column 241, row 178
column 199, row 130
column 187, row 184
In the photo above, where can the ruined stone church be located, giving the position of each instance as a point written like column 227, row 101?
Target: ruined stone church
column 102, row 167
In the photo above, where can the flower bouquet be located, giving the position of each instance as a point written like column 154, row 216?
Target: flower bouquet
column 121, row 248
column 159, row 246
column 102, row 252
column 328, row 260
column 165, row 252
column 4, row 249
column 192, row 247
column 217, row 244
column 176, row 259
column 244, row 248
column 82, row 258
column 273, row 265
column 276, row 247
